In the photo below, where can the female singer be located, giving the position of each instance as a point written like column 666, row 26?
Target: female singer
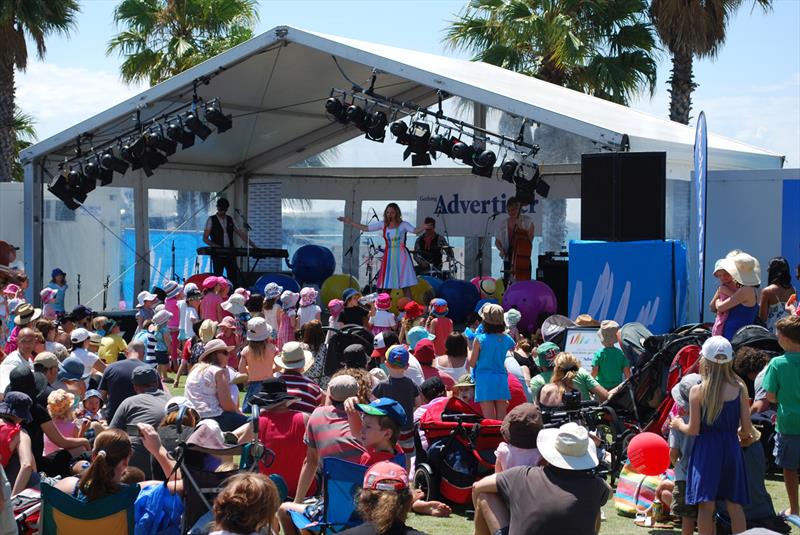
column 397, row 270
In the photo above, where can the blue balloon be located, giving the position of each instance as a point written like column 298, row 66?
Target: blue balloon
column 286, row 281
column 461, row 297
column 312, row 264
column 483, row 302
column 433, row 281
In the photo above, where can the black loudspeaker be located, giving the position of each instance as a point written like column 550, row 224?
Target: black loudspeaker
column 553, row 270
column 623, row 196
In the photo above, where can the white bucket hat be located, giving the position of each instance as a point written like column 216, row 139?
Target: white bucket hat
column 144, row 296
column 162, row 317
column 258, row 330
column 567, row 447
column 235, row 304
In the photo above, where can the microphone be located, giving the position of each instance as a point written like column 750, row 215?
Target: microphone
column 374, row 215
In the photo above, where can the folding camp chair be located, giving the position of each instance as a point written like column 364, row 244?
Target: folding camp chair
column 64, row 514
column 341, row 480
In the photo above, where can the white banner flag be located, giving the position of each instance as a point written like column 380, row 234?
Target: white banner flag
column 469, row 205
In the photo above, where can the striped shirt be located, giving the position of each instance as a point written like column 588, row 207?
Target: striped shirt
column 308, row 392
column 328, row 431
column 149, row 341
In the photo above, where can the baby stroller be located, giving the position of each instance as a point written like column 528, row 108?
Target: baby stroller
column 341, row 338
column 461, row 446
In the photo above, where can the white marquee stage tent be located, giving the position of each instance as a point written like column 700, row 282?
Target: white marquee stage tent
column 276, row 84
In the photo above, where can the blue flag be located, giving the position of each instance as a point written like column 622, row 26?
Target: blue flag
column 700, row 178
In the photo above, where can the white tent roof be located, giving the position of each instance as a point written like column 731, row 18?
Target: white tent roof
column 276, row 83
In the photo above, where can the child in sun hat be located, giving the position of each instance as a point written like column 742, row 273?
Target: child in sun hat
column 257, row 358
column 145, row 303
column 288, row 324
column 48, row 297
column 717, row 408
column 272, row 309
column 58, row 282
column 413, row 317
column 680, row 451
column 439, row 324
column 520, row 429
column 487, row 360
column 308, row 310
column 512, row 318
column 228, row 332
column 726, row 288
column 381, row 317
column 160, row 330
column 211, row 305
column 609, row 365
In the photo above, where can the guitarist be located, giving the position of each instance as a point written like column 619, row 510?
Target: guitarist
column 514, row 241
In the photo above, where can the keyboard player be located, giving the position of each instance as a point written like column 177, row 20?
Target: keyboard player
column 219, row 232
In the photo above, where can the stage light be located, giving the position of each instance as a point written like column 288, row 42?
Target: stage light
column 376, row 130
column 59, row 187
column 94, row 170
column 79, row 185
column 483, row 162
column 176, row 132
column 418, row 137
column 195, row 125
column 399, row 130
column 150, row 157
column 441, row 143
column 463, row 152
column 215, row 116
column 508, row 170
column 112, row 163
column 336, row 109
column 130, row 152
column 356, row 115
column 158, row 140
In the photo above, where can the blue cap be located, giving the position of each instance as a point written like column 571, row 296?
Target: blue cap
column 397, row 356
column 415, row 334
column 385, row 407
column 349, row 293
column 72, row 369
column 17, row 404
column 93, row 394
column 56, row 272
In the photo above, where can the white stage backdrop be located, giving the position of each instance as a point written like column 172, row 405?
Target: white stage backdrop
column 465, row 205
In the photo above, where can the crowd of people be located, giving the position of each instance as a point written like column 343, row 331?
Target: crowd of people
column 90, row 413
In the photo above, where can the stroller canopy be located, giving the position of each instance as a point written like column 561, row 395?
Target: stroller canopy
column 632, row 340
column 757, row 337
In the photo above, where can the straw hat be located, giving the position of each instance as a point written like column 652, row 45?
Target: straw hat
column 294, row 357
column 208, row 330
column 492, row 314
column 743, row 268
column 567, row 447
column 25, row 314
column 214, row 345
column 585, row 320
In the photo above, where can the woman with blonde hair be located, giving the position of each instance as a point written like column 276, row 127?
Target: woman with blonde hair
column 568, row 376
column 718, row 409
column 110, row 456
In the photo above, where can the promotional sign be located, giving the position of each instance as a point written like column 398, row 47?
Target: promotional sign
column 700, row 180
column 583, row 342
column 468, row 205
column 642, row 281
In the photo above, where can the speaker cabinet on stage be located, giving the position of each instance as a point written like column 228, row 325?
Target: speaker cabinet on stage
column 553, row 270
column 623, row 196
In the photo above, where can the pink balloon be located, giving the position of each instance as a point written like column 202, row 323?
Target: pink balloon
column 649, row 454
column 534, row 300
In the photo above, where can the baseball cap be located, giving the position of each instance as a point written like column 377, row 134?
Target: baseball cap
column 386, row 475
column 56, row 272
column 342, row 387
column 145, row 376
column 385, row 407
column 425, row 352
column 79, row 335
column 46, row 359
column 397, row 356
column 383, row 341
column 717, row 349
column 415, row 334
column 355, row 356
column 176, row 402
column 546, row 354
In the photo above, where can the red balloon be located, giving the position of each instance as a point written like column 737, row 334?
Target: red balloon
column 649, row 454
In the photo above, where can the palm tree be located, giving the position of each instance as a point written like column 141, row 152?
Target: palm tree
column 161, row 38
column 689, row 29
column 24, row 136
column 22, row 21
column 604, row 49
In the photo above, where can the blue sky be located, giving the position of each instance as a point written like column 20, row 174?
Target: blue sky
column 751, row 92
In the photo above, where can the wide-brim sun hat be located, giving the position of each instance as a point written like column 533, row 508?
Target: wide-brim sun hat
column 207, row 331
column 235, row 304
column 294, row 357
column 25, row 314
column 258, row 330
column 680, row 392
column 162, row 317
column 172, row 289
column 492, row 314
column 567, row 447
column 272, row 290
column 213, row 346
column 143, row 297
column 744, row 269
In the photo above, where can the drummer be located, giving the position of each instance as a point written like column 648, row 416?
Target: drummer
column 428, row 248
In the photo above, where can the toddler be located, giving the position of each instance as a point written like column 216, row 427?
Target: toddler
column 439, row 324
column 513, row 317
column 60, row 406
column 272, row 309
column 48, row 296
column 487, row 360
column 680, row 451
column 380, row 317
column 520, row 429
column 288, row 324
column 309, row 310
column 609, row 364
column 727, row 287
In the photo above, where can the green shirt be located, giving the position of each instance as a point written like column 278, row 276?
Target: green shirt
column 610, row 362
column 584, row 382
column 782, row 378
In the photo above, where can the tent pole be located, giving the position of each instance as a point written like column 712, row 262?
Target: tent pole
column 32, row 227
column 141, row 225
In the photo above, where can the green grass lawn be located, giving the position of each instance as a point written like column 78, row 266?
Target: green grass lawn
column 614, row 524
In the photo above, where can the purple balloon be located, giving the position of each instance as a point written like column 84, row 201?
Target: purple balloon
column 535, row 301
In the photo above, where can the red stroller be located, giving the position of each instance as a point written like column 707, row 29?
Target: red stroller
column 461, row 446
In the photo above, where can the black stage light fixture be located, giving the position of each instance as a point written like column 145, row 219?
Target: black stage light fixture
column 158, row 140
column 112, row 163
column 176, row 132
column 483, row 162
column 463, row 152
column 508, row 169
column 376, row 129
column 215, row 116
column 356, row 115
column 130, row 151
column 399, row 130
column 335, row 107
column 195, row 125
column 95, row 171
column 59, row 187
column 150, row 157
column 79, row 184
column 419, row 136
column 441, row 143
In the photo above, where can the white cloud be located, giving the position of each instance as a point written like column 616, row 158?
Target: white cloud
column 59, row 97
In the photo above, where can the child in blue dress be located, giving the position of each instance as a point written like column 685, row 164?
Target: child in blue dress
column 487, row 359
column 717, row 408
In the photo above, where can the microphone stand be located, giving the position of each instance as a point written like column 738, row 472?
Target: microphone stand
column 248, row 228
column 108, row 281
column 450, row 255
column 79, row 288
column 174, row 275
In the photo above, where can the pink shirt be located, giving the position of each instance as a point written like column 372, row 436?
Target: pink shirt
column 510, row 456
column 171, row 305
column 65, row 427
column 209, row 307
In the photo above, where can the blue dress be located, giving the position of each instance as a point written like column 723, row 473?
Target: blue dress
column 491, row 377
column 738, row 317
column 716, row 468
